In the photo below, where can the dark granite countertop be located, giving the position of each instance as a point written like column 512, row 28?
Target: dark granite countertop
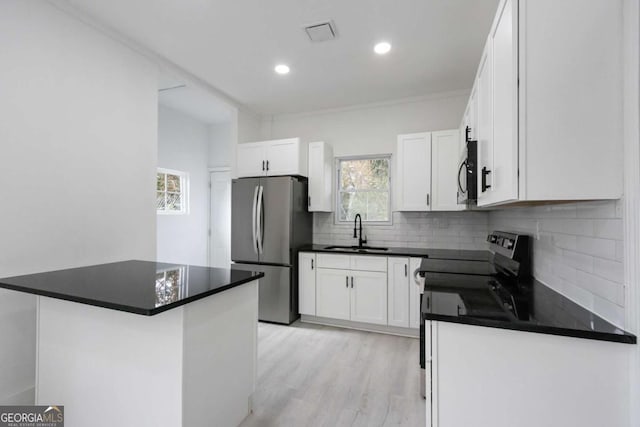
column 140, row 287
column 531, row 307
column 410, row 252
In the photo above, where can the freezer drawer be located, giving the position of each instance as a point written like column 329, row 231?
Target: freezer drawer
column 278, row 296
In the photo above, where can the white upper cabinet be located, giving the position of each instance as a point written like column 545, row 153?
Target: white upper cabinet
column 413, row 172
column 251, row 159
column 504, row 175
column 549, row 103
column 272, row 158
column 485, row 125
column 445, row 155
column 426, row 171
column 469, row 120
column 320, row 177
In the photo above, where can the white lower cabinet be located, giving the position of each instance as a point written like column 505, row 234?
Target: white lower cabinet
column 535, row 379
column 333, row 293
column 307, row 283
column 359, row 288
column 414, row 293
column 359, row 296
column 398, row 291
column 369, row 297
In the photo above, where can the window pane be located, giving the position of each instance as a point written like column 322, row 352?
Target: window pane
column 160, row 202
column 364, row 189
column 364, row 174
column 174, row 202
column 173, row 183
column 160, row 182
column 371, row 205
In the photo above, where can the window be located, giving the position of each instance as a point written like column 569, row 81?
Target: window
column 364, row 188
column 171, row 192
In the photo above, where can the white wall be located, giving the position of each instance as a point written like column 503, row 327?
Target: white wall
column 372, row 128
column 579, row 251
column 220, row 144
column 183, row 144
column 78, row 156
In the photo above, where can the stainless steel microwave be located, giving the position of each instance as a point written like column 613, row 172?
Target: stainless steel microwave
column 468, row 172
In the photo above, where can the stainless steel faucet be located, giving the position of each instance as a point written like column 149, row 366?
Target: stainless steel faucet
column 361, row 241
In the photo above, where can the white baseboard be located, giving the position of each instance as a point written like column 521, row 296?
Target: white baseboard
column 368, row 327
column 25, row 397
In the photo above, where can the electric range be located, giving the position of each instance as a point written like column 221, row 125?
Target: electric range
column 483, row 284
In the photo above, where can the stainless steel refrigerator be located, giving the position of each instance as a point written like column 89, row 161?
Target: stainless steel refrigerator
column 269, row 224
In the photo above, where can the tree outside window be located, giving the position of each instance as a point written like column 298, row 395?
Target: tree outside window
column 364, row 188
column 171, row 192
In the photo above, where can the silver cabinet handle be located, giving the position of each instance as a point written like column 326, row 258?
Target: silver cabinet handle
column 351, row 282
column 267, row 164
column 312, row 263
column 427, row 199
column 347, row 280
column 263, row 165
column 405, row 270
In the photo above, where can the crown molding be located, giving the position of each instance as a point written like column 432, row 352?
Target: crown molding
column 372, row 105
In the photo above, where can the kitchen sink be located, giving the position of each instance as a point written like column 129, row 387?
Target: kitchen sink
column 357, row 248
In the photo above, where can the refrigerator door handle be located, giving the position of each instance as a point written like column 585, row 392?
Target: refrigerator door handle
column 254, row 223
column 259, row 219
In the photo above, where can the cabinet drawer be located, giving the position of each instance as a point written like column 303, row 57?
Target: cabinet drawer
column 369, row 263
column 333, row 261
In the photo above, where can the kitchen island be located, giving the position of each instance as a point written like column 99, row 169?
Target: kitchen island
column 144, row 343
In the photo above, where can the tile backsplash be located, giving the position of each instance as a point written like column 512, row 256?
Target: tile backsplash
column 450, row 230
column 577, row 247
column 577, row 250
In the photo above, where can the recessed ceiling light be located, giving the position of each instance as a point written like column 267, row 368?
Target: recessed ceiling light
column 382, row 48
column 282, row 69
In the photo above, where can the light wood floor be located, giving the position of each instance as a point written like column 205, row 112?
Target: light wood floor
column 310, row 375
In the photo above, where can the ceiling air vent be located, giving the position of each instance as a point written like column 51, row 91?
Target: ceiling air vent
column 321, row 31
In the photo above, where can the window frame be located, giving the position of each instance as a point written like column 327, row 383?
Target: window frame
column 338, row 160
column 184, row 191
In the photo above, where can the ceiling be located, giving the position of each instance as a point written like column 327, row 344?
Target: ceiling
column 179, row 95
column 234, row 46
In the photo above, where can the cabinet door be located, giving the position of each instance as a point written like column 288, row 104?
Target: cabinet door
column 369, row 297
column 283, row 156
column 398, row 292
column 320, row 177
column 444, row 171
column 414, row 293
column 469, row 120
column 485, row 126
column 250, row 159
column 332, row 293
column 307, row 283
column 414, row 172
column 504, row 173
